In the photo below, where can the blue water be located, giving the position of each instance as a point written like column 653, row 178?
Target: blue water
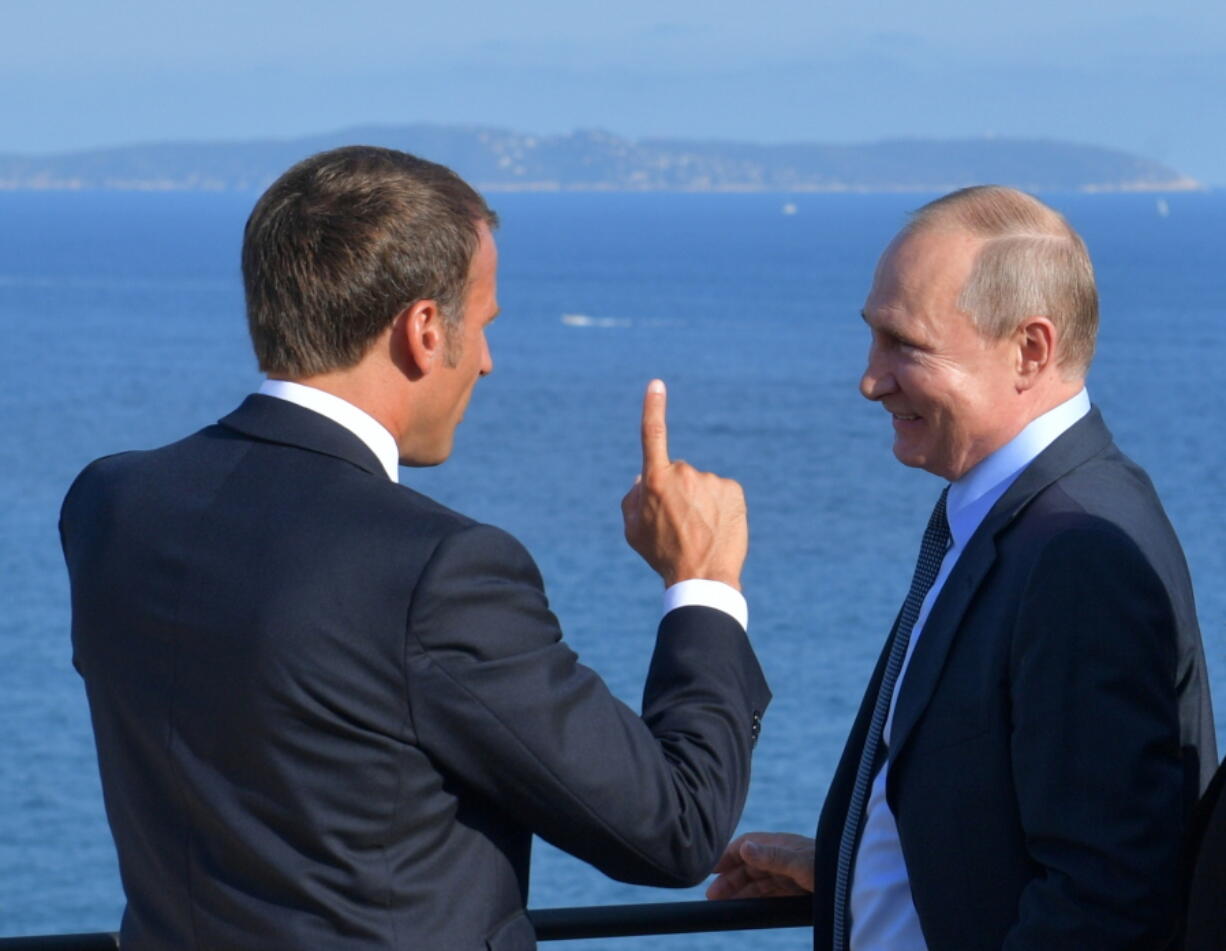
column 122, row 319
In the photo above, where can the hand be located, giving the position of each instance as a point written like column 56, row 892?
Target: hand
column 685, row 523
column 764, row 865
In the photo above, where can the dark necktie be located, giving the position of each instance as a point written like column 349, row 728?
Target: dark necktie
column 932, row 552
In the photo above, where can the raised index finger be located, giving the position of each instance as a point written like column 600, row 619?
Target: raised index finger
column 655, row 431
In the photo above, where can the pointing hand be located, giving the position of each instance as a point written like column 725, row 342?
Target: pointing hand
column 685, row 523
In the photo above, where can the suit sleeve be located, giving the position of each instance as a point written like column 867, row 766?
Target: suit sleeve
column 503, row 704
column 1095, row 747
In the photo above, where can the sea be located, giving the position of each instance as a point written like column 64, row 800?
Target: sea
column 122, row 326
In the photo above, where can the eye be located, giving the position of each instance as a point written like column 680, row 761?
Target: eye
column 892, row 342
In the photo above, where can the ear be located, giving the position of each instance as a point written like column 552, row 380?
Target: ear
column 1035, row 338
column 420, row 337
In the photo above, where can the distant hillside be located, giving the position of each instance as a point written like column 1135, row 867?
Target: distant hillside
column 499, row 160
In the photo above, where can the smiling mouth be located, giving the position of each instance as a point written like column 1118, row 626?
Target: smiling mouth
column 904, row 417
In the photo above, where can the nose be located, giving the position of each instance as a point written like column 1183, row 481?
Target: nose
column 878, row 380
column 487, row 358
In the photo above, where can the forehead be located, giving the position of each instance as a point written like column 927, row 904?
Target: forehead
column 920, row 276
column 485, row 257
column 481, row 293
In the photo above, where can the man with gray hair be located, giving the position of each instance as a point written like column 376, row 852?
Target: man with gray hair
column 1038, row 725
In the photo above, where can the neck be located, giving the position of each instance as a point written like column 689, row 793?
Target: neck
column 1050, row 392
column 362, row 386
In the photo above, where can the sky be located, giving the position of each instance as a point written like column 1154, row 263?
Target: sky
column 1146, row 77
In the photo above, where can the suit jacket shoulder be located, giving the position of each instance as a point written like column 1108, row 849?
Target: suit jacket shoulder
column 331, row 712
column 1053, row 725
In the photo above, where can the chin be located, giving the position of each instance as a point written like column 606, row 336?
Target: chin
column 908, row 456
column 424, row 459
column 424, row 462
column 919, row 461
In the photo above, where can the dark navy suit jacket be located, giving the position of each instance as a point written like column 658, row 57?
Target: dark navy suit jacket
column 330, row 713
column 1204, row 917
column 1054, row 726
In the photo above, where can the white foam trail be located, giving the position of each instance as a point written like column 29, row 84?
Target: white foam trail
column 583, row 320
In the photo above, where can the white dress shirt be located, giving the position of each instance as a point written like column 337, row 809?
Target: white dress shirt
column 695, row 591
column 359, row 422
column 883, row 916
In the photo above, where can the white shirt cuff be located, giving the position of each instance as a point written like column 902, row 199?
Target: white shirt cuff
column 708, row 594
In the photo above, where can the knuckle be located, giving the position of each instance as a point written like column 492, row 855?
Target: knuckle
column 655, row 480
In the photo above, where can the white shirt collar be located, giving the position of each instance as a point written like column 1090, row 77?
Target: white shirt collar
column 343, row 413
column 972, row 497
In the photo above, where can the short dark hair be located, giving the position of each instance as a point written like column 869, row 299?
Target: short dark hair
column 343, row 242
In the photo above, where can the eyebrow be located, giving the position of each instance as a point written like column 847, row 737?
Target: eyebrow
column 870, row 324
column 892, row 332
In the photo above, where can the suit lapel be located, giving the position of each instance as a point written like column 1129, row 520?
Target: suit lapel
column 1083, row 440
column 275, row 420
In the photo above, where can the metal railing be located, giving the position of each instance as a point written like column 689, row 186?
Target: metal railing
column 681, row 917
column 563, row 924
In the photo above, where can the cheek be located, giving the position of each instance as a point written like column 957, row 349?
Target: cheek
column 923, row 387
column 980, row 393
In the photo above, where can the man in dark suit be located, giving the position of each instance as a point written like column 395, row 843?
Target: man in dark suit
column 1204, row 914
column 1038, row 725
column 331, row 713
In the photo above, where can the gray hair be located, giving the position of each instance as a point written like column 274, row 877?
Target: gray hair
column 1031, row 262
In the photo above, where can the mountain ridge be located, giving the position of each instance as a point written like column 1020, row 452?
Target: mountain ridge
column 495, row 159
